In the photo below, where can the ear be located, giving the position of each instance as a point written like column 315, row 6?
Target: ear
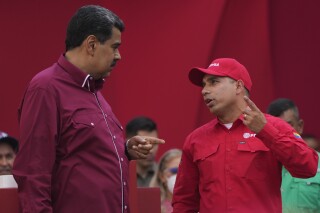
column 90, row 44
column 300, row 126
column 240, row 86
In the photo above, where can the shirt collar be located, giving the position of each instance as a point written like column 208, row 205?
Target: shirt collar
column 237, row 122
column 80, row 77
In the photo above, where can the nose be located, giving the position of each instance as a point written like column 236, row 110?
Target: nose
column 117, row 55
column 204, row 91
column 3, row 161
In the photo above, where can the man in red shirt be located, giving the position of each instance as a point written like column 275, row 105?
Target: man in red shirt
column 233, row 163
column 73, row 155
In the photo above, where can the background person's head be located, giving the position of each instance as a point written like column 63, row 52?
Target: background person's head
column 312, row 141
column 143, row 126
column 287, row 110
column 95, row 32
column 8, row 150
column 166, row 173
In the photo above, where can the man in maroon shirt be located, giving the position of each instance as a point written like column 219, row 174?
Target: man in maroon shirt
column 233, row 163
column 73, row 156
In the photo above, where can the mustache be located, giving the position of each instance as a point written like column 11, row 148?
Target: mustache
column 114, row 63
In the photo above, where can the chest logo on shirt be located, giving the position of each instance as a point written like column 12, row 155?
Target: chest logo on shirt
column 248, row 135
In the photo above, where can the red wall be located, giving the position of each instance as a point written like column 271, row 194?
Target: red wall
column 278, row 41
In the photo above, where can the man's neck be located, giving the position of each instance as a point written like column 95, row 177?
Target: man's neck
column 232, row 114
column 75, row 57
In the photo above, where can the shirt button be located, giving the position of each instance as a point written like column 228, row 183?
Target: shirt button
column 124, row 183
column 125, row 207
column 114, row 137
column 91, row 78
column 92, row 124
column 121, row 159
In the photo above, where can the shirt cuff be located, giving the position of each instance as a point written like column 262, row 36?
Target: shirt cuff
column 126, row 150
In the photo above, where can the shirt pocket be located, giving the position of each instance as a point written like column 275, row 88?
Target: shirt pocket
column 254, row 159
column 207, row 162
column 113, row 119
column 308, row 196
column 85, row 120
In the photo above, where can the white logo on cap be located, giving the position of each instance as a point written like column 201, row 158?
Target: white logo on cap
column 214, row 65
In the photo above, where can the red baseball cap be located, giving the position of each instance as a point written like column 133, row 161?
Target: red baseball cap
column 228, row 67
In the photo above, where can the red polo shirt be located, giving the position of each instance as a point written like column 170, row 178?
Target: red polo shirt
column 72, row 151
column 235, row 170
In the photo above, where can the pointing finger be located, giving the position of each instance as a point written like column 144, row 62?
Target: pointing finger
column 153, row 140
column 250, row 103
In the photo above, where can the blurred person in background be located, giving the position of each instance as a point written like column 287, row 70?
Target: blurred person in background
column 298, row 195
column 165, row 177
column 8, row 149
column 312, row 141
column 146, row 168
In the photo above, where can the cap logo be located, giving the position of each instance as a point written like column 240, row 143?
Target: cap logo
column 3, row 135
column 214, row 65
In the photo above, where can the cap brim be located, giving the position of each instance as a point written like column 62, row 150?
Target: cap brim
column 196, row 75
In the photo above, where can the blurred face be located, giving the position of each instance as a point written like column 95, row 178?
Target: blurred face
column 151, row 157
column 106, row 55
column 171, row 168
column 168, row 175
column 290, row 117
column 313, row 143
column 7, row 156
column 218, row 92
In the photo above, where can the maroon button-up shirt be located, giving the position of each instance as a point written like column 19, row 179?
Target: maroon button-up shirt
column 72, row 150
column 235, row 170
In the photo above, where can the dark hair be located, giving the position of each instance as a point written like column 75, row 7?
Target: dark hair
column 12, row 142
column 279, row 106
column 140, row 123
column 91, row 20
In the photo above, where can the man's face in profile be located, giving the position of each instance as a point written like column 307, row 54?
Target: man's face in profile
column 7, row 156
column 290, row 117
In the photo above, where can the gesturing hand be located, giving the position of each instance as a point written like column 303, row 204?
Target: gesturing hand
column 254, row 119
column 139, row 146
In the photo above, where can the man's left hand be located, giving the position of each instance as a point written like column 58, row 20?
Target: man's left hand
column 253, row 118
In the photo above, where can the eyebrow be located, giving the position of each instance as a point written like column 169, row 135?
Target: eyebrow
column 116, row 44
column 210, row 78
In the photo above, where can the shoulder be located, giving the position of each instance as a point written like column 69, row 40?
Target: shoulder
column 198, row 132
column 44, row 79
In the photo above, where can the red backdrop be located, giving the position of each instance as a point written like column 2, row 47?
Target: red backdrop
column 278, row 41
